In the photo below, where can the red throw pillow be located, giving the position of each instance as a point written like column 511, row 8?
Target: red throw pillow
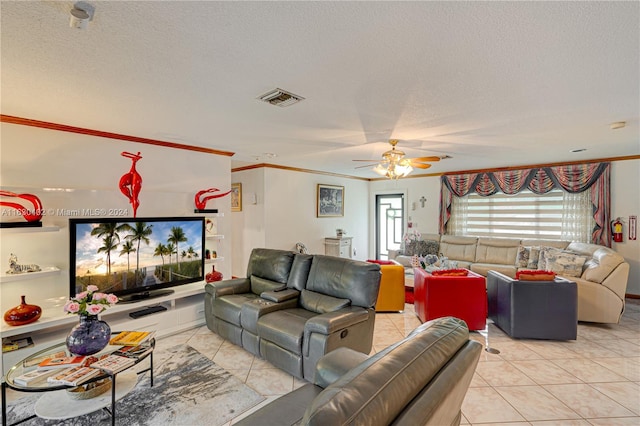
column 451, row 272
column 381, row 262
column 537, row 275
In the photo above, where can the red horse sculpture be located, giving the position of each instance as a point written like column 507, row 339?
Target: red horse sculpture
column 202, row 203
column 131, row 183
column 31, row 215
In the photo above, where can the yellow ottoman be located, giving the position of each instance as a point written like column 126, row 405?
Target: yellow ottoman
column 391, row 294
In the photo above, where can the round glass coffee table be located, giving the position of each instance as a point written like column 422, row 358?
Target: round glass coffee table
column 55, row 404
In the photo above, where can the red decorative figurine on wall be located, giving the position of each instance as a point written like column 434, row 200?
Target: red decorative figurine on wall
column 201, row 203
column 30, row 215
column 131, row 183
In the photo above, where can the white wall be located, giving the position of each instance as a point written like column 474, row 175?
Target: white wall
column 248, row 225
column 288, row 209
column 625, row 201
column 89, row 168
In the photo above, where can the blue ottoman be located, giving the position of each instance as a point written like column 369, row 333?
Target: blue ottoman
column 533, row 309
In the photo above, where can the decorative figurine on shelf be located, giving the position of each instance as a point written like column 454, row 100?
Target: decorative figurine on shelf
column 32, row 216
column 210, row 226
column 15, row 268
column 131, row 182
column 201, row 203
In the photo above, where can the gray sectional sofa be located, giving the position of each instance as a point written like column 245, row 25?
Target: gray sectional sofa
column 421, row 380
column 600, row 273
column 293, row 308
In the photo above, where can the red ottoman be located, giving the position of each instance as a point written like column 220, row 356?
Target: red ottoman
column 463, row 297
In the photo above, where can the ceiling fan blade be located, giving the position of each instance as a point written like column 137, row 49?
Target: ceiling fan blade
column 434, row 158
column 367, row 165
column 420, row 165
column 369, row 161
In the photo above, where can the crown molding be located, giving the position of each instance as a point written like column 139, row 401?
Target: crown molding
column 91, row 132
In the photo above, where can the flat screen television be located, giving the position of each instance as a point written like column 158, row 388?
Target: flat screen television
column 135, row 258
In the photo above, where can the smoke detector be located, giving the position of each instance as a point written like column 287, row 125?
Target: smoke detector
column 281, row 98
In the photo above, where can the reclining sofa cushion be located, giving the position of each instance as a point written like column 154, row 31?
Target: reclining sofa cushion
column 496, row 254
column 269, row 264
column 602, row 260
column 459, row 248
column 300, row 271
column 333, row 276
column 377, row 391
column 500, row 251
column 261, row 285
column 285, row 328
column 321, row 303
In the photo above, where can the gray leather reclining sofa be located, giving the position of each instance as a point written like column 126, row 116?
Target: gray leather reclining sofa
column 293, row 308
column 421, row 380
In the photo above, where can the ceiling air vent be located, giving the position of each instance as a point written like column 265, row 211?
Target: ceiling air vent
column 280, row 98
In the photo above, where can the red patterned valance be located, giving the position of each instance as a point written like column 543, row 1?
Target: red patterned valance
column 571, row 178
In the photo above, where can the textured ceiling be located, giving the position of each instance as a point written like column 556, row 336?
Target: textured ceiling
column 492, row 84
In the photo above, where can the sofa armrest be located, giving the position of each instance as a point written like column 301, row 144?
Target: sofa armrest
column 280, row 296
column 332, row 366
column 331, row 322
column 226, row 287
column 394, row 253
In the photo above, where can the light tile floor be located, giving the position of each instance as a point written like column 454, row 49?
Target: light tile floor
column 594, row 380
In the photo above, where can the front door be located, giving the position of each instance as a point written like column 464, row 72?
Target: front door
column 389, row 223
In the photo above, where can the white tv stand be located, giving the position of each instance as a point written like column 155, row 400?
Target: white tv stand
column 184, row 310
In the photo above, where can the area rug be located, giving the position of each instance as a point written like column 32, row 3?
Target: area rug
column 188, row 389
column 408, row 295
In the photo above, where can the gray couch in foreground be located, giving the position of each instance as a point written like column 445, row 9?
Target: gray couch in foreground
column 421, row 380
column 600, row 273
column 293, row 308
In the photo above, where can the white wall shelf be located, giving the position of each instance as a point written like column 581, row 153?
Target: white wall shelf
column 215, row 237
column 214, row 260
column 46, row 271
column 20, row 230
column 185, row 310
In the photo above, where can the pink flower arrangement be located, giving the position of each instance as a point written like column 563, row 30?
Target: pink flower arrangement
column 90, row 302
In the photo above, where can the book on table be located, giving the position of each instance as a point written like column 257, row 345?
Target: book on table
column 135, row 352
column 30, row 362
column 61, row 362
column 33, row 377
column 132, row 338
column 9, row 345
column 73, row 376
column 113, row 363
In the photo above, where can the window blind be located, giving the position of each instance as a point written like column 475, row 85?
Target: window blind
column 523, row 215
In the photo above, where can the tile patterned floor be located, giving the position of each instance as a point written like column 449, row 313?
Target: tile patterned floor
column 594, row 380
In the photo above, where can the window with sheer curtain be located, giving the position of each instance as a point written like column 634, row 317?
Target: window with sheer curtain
column 555, row 215
column 581, row 193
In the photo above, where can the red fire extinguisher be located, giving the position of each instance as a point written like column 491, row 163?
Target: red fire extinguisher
column 616, row 230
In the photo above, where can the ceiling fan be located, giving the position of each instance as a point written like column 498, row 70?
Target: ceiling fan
column 393, row 164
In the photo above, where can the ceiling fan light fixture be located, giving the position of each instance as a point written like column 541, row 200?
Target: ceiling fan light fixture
column 380, row 169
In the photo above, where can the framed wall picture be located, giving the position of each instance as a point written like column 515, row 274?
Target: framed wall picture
column 330, row 200
column 236, row 197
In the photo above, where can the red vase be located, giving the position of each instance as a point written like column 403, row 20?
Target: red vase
column 22, row 314
column 213, row 275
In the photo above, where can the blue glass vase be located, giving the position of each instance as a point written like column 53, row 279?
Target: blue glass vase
column 88, row 337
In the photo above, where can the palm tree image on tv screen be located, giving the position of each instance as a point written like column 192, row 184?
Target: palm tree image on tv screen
column 123, row 256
